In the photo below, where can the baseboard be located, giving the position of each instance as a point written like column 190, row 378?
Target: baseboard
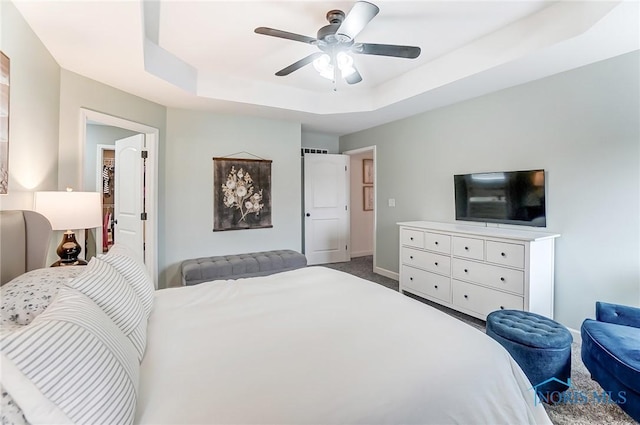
column 386, row 273
column 576, row 335
column 361, row 254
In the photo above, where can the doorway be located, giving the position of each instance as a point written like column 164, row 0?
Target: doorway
column 105, row 173
column 90, row 154
column 363, row 202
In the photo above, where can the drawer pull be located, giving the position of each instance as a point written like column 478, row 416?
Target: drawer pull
column 411, row 238
column 466, row 296
column 435, row 286
column 436, row 263
column 411, row 257
column 410, row 278
column 466, row 248
column 503, row 254
column 436, row 242
column 466, row 270
column 501, row 307
column 502, row 279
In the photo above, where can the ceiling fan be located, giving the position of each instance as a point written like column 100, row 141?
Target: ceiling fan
column 336, row 42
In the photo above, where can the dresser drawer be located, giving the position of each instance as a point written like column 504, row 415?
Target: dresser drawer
column 509, row 254
column 426, row 283
column 427, row 260
column 486, row 274
column 437, row 242
column 468, row 248
column 483, row 300
column 411, row 237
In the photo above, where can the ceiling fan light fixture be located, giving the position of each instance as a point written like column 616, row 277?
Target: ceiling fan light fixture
column 345, row 64
column 323, row 66
column 336, row 40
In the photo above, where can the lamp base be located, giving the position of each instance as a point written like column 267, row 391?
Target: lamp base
column 68, row 251
column 60, row 263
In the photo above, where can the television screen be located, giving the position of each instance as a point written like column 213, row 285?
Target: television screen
column 512, row 197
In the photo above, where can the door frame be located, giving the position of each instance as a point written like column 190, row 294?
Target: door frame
column 152, row 136
column 358, row 151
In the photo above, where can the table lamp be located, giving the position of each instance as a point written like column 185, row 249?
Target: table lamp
column 66, row 211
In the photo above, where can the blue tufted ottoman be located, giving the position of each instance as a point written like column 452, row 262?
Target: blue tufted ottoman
column 541, row 346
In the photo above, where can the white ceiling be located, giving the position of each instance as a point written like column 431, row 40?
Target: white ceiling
column 205, row 55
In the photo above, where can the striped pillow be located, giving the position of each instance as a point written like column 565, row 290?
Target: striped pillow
column 107, row 288
column 134, row 272
column 71, row 365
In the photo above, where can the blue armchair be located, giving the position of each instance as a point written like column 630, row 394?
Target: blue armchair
column 611, row 353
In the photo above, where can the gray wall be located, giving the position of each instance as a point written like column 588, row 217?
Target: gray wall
column 581, row 126
column 312, row 139
column 34, row 106
column 193, row 139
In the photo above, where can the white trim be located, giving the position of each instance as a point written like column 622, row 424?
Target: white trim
column 386, row 273
column 375, row 198
column 577, row 337
column 151, row 195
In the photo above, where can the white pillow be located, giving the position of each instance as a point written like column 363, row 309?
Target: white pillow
column 107, row 288
column 71, row 365
column 134, row 271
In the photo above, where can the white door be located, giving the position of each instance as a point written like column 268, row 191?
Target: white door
column 129, row 194
column 326, row 195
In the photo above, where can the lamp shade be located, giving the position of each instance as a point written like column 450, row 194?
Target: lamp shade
column 70, row 210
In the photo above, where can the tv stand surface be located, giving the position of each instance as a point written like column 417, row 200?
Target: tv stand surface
column 478, row 269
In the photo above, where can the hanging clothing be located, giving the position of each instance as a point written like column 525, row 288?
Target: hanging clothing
column 105, row 231
column 107, row 173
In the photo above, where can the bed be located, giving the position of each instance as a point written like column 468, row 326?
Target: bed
column 312, row 345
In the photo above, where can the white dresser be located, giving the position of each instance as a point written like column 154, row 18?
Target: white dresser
column 477, row 269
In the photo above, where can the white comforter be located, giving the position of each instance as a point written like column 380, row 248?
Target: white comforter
column 319, row 346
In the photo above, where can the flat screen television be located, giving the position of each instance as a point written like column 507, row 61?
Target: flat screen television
column 510, row 197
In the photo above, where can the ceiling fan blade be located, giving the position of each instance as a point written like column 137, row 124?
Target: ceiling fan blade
column 353, row 78
column 358, row 17
column 284, row 34
column 409, row 52
column 297, row 65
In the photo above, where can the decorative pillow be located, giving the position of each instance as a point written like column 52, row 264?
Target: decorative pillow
column 107, row 288
column 29, row 294
column 10, row 412
column 134, row 271
column 120, row 249
column 71, row 365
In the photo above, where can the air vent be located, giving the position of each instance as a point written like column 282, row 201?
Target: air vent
column 312, row 150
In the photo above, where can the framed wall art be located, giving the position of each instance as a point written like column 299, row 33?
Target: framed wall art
column 367, row 171
column 4, row 123
column 242, row 194
column 367, row 198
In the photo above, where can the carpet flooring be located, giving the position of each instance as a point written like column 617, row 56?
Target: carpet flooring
column 592, row 412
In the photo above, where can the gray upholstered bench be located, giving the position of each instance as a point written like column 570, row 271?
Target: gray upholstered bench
column 200, row 270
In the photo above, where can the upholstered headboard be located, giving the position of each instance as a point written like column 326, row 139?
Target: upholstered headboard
column 24, row 242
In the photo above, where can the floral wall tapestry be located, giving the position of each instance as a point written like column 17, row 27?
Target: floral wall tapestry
column 242, row 194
